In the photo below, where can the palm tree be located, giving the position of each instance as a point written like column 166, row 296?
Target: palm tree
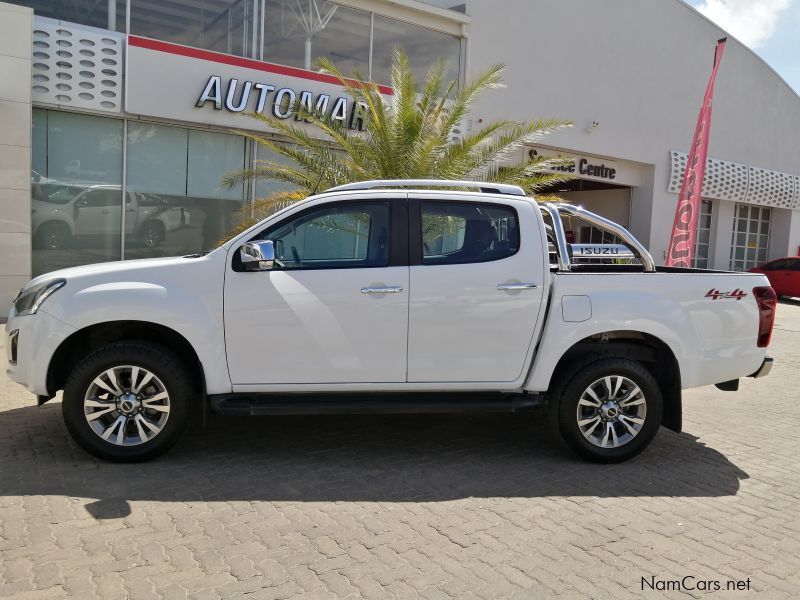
column 415, row 135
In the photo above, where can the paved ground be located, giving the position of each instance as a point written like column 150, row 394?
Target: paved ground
column 410, row 506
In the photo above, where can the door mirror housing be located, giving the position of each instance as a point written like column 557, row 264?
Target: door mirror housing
column 258, row 256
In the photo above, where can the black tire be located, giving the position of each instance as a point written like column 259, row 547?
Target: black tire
column 574, row 381
column 53, row 235
column 166, row 367
column 151, row 234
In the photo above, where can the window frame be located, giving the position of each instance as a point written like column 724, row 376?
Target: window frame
column 398, row 239
column 415, row 248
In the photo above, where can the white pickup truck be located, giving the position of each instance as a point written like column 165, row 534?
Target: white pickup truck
column 390, row 296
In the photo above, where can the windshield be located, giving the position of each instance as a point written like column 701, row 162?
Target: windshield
column 55, row 193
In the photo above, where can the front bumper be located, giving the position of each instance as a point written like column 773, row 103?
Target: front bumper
column 35, row 340
column 765, row 368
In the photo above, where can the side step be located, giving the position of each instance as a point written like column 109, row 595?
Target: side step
column 372, row 403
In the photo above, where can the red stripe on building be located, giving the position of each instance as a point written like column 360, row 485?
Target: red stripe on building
column 238, row 61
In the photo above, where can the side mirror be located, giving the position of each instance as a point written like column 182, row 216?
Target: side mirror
column 258, row 256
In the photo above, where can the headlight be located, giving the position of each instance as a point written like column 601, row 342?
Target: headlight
column 30, row 299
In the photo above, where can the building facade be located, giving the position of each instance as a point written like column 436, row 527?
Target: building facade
column 118, row 119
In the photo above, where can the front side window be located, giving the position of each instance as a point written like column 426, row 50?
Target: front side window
column 469, row 232
column 345, row 235
column 100, row 197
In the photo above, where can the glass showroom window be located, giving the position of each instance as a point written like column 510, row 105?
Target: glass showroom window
column 105, row 14
column 703, row 242
column 297, row 33
column 423, row 45
column 176, row 202
column 76, row 178
column 455, row 5
column 220, row 25
column 264, row 188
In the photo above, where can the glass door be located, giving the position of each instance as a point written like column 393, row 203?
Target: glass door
column 750, row 240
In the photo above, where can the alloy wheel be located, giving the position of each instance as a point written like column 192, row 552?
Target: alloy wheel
column 611, row 411
column 126, row 405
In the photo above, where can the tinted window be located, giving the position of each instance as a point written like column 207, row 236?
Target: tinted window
column 463, row 233
column 339, row 236
column 783, row 264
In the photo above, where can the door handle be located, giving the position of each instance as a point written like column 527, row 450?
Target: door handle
column 106, row 211
column 381, row 290
column 506, row 287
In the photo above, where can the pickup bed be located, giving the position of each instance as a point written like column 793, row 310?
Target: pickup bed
column 390, row 296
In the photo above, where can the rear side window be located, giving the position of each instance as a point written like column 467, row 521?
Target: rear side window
column 454, row 233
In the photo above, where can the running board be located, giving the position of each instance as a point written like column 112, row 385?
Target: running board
column 372, row 403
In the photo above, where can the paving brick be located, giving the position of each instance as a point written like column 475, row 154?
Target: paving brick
column 437, row 507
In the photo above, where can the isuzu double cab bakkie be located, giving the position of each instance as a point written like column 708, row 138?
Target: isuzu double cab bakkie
column 391, row 296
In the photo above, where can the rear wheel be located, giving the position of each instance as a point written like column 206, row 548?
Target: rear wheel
column 152, row 234
column 128, row 401
column 607, row 410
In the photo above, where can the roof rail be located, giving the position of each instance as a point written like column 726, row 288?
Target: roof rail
column 484, row 186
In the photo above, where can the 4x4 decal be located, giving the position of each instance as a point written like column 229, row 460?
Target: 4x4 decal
column 715, row 294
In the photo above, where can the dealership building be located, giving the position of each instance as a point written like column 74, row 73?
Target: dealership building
column 118, row 118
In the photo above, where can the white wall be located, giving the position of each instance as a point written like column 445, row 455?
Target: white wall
column 640, row 68
column 15, row 151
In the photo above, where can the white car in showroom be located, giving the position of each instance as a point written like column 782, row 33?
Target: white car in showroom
column 390, row 296
column 62, row 212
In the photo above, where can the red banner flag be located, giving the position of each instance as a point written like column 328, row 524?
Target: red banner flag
column 684, row 229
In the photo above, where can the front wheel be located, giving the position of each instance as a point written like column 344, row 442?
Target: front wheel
column 128, row 401
column 53, row 236
column 607, row 410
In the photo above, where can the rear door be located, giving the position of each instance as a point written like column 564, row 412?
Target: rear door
column 477, row 279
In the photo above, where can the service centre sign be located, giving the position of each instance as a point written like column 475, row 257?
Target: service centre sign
column 591, row 167
column 199, row 86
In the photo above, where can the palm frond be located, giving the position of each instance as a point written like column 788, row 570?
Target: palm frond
column 411, row 133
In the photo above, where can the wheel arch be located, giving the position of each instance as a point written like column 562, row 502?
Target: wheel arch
column 55, row 221
column 651, row 351
column 83, row 341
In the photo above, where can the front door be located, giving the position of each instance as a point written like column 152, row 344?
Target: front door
column 336, row 311
column 477, row 280
column 97, row 212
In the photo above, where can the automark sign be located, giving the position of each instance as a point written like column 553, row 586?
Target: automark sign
column 235, row 96
column 188, row 84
